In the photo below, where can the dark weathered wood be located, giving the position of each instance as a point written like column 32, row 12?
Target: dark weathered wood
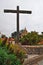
column 18, row 23
column 17, row 11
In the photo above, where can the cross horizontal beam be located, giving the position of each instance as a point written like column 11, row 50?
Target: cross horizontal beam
column 15, row 11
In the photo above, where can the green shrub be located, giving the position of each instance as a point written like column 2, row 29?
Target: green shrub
column 8, row 59
column 18, row 50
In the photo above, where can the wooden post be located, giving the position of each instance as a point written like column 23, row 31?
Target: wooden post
column 17, row 23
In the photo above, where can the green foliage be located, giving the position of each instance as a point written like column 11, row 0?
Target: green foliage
column 9, row 53
column 0, row 41
column 30, row 39
column 12, row 54
column 8, row 59
column 18, row 50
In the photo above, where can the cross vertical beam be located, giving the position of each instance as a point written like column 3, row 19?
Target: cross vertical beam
column 17, row 23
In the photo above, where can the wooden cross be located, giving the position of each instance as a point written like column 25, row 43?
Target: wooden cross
column 17, row 11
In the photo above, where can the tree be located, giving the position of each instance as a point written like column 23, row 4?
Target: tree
column 30, row 38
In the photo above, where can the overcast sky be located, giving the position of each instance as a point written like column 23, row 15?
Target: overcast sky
column 32, row 22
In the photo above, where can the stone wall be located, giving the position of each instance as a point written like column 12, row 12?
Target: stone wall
column 33, row 49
